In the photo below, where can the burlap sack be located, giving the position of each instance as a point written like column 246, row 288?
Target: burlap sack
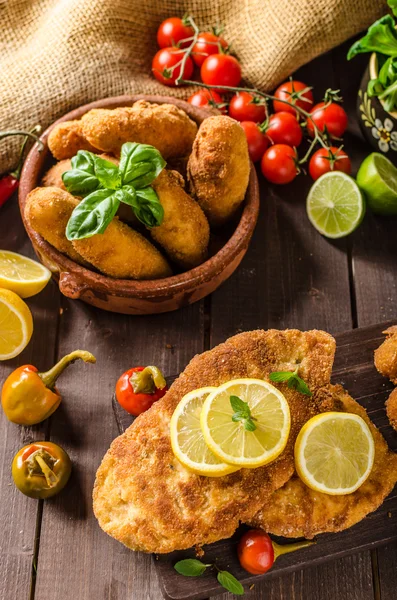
column 58, row 54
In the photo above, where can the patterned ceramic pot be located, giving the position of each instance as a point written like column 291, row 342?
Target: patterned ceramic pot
column 378, row 126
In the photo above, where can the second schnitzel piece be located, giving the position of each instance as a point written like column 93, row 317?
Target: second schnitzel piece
column 386, row 355
column 149, row 501
column 295, row 510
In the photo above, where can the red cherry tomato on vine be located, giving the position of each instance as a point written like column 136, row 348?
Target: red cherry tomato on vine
column 244, row 107
column 207, row 44
column 255, row 552
column 206, row 98
column 279, row 164
column 257, row 141
column 221, row 69
column 334, row 159
column 295, row 93
column 331, row 116
column 138, row 388
column 284, row 128
column 164, row 65
column 172, row 31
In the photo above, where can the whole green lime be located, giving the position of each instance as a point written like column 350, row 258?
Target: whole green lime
column 377, row 178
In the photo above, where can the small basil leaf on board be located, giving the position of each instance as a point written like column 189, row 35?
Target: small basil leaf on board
column 230, row 583
column 148, row 208
column 140, row 164
column 92, row 215
column 190, row 567
column 107, row 173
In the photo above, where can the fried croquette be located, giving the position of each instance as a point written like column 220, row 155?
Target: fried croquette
column 386, row 355
column 184, row 233
column 298, row 511
column 48, row 211
column 219, row 167
column 149, row 501
column 391, row 409
column 66, row 139
column 163, row 126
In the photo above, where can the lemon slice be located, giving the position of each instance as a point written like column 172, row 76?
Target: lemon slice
column 251, row 442
column 187, row 440
column 334, row 453
column 21, row 274
column 16, row 324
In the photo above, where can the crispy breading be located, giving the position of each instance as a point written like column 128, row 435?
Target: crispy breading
column 219, row 167
column 48, row 211
column 386, row 355
column 391, row 409
column 184, row 233
column 163, row 126
column 66, row 139
column 147, row 500
column 298, row 511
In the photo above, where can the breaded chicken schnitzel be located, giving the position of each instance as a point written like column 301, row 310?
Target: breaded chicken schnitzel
column 298, row 511
column 147, row 500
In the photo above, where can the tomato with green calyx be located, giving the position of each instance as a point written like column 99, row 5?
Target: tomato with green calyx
column 207, row 43
column 256, row 139
column 283, row 128
column 247, row 107
column 325, row 160
column 293, row 93
column 279, row 164
column 172, row 31
column 221, row 69
column 329, row 117
column 166, row 65
column 205, row 98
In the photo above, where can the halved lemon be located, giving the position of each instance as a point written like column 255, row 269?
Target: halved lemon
column 187, row 440
column 16, row 324
column 334, row 453
column 236, row 441
column 21, row 274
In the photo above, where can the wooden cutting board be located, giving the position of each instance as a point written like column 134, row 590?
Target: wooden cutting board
column 354, row 369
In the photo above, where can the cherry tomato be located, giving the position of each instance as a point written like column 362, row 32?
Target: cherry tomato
column 279, row 164
column 164, row 61
column 221, row 69
column 331, row 116
column 284, row 128
column 255, row 552
column 138, row 388
column 257, row 141
column 207, row 43
column 206, row 98
column 295, row 93
column 172, row 31
column 244, row 107
column 334, row 159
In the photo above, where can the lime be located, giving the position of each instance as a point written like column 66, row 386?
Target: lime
column 377, row 177
column 335, row 205
column 334, row 453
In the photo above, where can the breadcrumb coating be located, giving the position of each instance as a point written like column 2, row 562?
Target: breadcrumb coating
column 66, row 139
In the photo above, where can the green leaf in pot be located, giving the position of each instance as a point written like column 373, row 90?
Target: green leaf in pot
column 93, row 214
column 140, row 164
column 381, row 37
column 81, row 179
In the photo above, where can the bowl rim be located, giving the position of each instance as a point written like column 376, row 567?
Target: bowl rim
column 373, row 74
column 126, row 287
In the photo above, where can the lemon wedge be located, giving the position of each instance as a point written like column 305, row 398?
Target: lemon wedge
column 16, row 324
column 21, row 274
column 246, row 422
column 187, row 440
column 334, row 453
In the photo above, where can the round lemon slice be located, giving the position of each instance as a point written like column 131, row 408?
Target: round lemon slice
column 16, row 324
column 334, row 453
column 246, row 422
column 21, row 274
column 187, row 440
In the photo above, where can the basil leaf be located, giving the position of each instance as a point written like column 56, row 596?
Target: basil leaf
column 280, row 376
column 238, row 405
column 302, row 387
column 92, row 215
column 140, row 164
column 107, row 173
column 127, row 194
column 190, row 567
column 148, row 208
column 81, row 179
column 84, row 161
column 381, row 37
column 230, row 583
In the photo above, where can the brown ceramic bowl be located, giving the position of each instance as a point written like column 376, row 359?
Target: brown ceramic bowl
column 139, row 297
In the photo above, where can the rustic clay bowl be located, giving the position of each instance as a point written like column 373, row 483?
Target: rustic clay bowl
column 139, row 297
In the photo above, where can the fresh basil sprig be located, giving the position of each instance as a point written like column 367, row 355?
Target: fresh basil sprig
column 107, row 185
column 292, row 379
column 191, row 567
column 242, row 412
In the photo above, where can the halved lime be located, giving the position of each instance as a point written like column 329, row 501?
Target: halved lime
column 377, row 177
column 335, row 205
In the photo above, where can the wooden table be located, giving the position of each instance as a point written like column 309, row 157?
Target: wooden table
column 291, row 277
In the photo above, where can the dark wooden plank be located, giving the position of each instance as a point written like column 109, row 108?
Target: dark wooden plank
column 18, row 514
column 92, row 564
